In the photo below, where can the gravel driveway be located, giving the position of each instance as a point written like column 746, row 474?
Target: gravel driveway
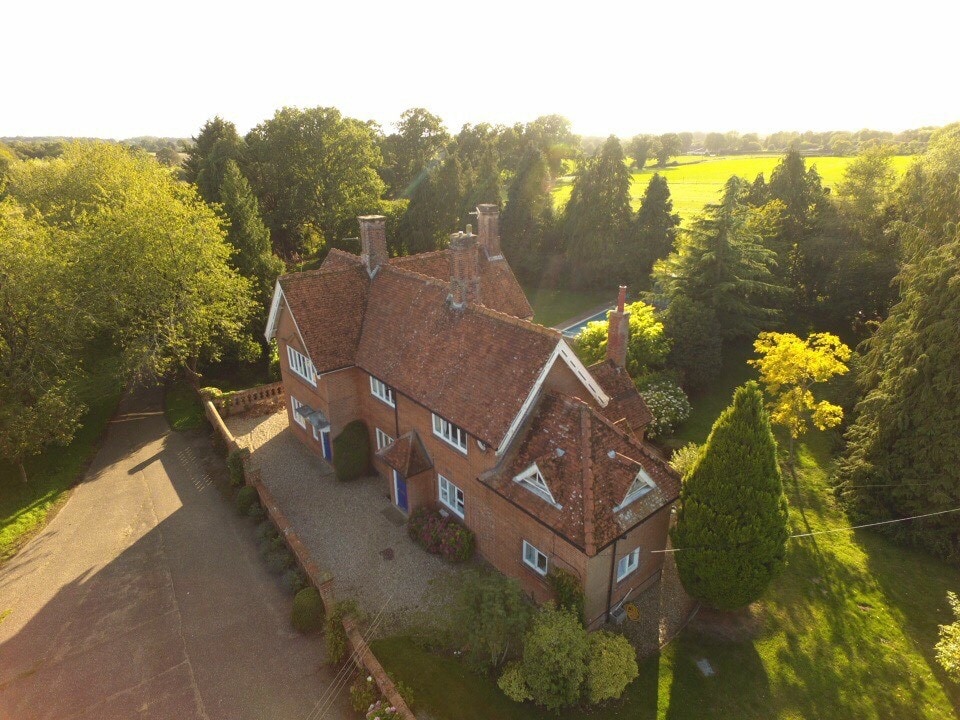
column 351, row 528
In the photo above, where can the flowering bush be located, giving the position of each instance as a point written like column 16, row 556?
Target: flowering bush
column 669, row 405
column 440, row 535
column 363, row 693
column 380, row 710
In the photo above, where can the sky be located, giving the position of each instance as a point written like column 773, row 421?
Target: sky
column 123, row 69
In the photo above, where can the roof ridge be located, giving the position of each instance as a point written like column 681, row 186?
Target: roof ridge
column 519, row 322
column 345, row 253
column 641, row 445
column 589, row 508
column 429, row 253
column 300, row 274
column 413, row 275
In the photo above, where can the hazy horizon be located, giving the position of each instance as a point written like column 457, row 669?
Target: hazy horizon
column 117, row 71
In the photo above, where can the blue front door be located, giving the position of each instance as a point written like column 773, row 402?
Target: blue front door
column 400, row 487
column 327, row 449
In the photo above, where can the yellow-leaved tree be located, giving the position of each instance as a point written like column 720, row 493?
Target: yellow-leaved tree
column 789, row 367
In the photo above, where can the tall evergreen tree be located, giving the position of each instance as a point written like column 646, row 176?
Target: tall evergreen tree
column 253, row 254
column 434, row 209
column 597, row 217
column 656, row 226
column 722, row 264
column 528, row 216
column 217, row 144
column 731, row 529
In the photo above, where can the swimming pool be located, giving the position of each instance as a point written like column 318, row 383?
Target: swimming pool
column 574, row 330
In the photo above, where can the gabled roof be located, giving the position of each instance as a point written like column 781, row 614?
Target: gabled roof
column 589, row 465
column 475, row 367
column 328, row 307
column 626, row 408
column 499, row 289
column 407, row 455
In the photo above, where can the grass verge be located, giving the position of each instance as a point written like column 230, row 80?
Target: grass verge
column 26, row 507
column 182, row 406
column 553, row 307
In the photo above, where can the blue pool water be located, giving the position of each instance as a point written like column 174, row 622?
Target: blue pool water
column 574, row 330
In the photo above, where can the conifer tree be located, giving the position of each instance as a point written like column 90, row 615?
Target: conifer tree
column 253, row 255
column 656, row 226
column 597, row 217
column 434, row 209
column 215, row 145
column 528, row 216
column 731, row 529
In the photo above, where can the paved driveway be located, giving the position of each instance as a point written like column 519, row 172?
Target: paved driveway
column 145, row 598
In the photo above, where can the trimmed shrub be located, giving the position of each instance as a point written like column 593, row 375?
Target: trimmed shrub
column 267, row 531
column 257, row 512
column 554, row 663
column 440, row 535
column 307, row 614
column 363, row 693
column 293, row 581
column 279, row 560
column 513, row 684
column 568, row 590
column 246, row 498
column 235, row 465
column 351, row 451
column 732, row 515
column 489, row 615
column 611, row 666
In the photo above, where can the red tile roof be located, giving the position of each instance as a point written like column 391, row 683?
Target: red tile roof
column 572, row 445
column 626, row 408
column 407, row 455
column 475, row 367
column 328, row 307
column 499, row 289
column 338, row 259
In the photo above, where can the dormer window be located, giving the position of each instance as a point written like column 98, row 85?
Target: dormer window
column 532, row 479
column 641, row 485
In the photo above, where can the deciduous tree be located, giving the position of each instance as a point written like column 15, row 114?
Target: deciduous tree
column 648, row 346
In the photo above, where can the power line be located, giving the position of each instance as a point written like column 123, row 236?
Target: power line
column 816, row 532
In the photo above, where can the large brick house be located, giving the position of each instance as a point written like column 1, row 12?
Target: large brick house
column 474, row 409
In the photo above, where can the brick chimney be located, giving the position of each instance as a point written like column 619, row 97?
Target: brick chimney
column 373, row 242
column 488, row 229
column 464, row 268
column 618, row 331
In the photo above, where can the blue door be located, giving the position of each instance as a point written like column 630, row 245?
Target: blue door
column 400, row 486
column 327, row 449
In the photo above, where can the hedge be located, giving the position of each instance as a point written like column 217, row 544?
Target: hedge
column 351, row 451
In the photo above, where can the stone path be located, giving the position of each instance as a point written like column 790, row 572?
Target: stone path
column 351, row 529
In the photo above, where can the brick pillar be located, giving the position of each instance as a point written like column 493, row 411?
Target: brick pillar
column 488, row 229
column 618, row 331
column 464, row 269
column 373, row 242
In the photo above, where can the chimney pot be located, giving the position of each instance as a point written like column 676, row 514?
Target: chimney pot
column 373, row 242
column 488, row 228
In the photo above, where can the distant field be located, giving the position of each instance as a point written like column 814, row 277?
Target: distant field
column 695, row 180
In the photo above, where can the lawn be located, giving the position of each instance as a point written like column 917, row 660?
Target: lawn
column 182, row 406
column 695, row 180
column 847, row 631
column 553, row 307
column 25, row 507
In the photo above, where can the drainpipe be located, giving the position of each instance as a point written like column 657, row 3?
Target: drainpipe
column 613, row 563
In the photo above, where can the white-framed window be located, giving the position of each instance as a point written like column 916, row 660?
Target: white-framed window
column 301, row 365
column 532, row 479
column 453, row 434
column 641, row 485
column 383, row 439
column 451, row 495
column 627, row 564
column 297, row 418
column 381, row 390
column 535, row 559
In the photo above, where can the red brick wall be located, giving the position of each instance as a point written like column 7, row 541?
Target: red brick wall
column 295, row 386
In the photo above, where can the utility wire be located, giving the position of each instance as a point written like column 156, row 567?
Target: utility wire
column 816, row 532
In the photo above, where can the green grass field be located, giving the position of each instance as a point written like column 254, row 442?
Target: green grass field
column 24, row 507
column 696, row 181
column 552, row 307
column 847, row 631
